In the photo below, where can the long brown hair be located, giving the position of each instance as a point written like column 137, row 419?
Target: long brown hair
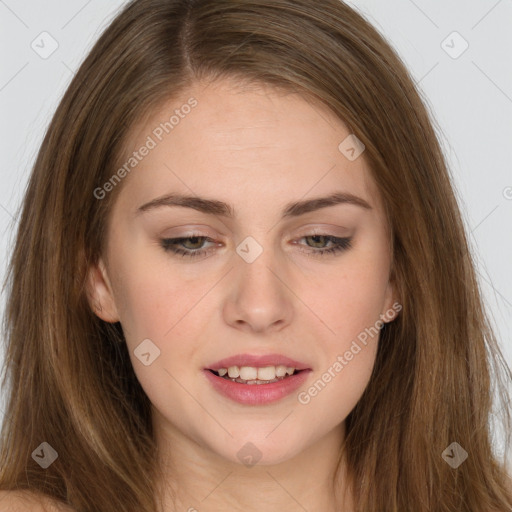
column 69, row 377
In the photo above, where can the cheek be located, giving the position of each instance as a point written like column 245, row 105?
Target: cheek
column 342, row 378
column 351, row 300
column 350, row 306
column 349, row 378
column 156, row 302
column 337, row 388
column 168, row 312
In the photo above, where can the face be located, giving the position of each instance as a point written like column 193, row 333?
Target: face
column 249, row 276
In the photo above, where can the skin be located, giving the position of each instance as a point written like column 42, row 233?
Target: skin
column 257, row 149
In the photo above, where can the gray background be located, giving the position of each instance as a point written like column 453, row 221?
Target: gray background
column 469, row 91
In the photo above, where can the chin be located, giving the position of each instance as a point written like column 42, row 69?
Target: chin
column 260, row 451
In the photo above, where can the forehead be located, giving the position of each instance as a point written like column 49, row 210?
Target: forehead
column 244, row 144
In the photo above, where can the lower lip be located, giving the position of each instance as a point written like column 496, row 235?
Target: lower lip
column 257, row 394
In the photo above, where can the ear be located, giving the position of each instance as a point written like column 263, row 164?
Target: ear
column 99, row 293
column 392, row 302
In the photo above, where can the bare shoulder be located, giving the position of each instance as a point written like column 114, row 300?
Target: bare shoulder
column 26, row 501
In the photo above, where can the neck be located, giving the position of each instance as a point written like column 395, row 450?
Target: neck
column 194, row 478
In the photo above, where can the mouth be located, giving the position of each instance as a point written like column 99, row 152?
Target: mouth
column 256, row 376
column 256, row 380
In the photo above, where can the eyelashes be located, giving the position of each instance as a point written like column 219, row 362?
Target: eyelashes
column 176, row 245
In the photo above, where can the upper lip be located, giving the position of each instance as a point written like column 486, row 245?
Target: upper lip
column 258, row 361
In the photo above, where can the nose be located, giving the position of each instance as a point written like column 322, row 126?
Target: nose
column 259, row 297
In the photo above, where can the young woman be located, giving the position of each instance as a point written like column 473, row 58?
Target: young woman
column 241, row 280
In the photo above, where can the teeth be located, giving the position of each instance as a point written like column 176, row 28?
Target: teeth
column 252, row 374
column 280, row 371
column 233, row 372
column 248, row 373
column 267, row 373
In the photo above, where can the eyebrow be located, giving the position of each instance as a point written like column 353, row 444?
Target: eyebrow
column 216, row 207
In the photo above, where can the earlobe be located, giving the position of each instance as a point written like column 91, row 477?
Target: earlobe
column 392, row 304
column 99, row 293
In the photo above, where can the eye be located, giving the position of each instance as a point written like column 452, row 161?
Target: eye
column 176, row 245
column 193, row 246
column 338, row 244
